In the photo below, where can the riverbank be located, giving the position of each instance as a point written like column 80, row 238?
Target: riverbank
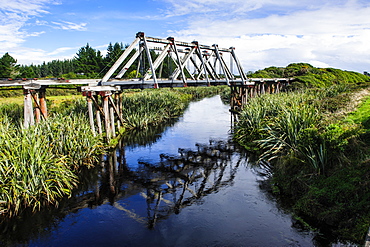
column 40, row 165
column 314, row 144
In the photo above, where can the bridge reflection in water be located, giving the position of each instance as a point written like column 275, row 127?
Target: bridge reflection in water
column 175, row 182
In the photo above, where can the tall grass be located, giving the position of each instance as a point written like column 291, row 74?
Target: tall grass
column 39, row 165
column 291, row 125
column 152, row 107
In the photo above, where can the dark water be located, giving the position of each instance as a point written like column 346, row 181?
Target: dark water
column 189, row 186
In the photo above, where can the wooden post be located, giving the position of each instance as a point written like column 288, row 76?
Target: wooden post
column 91, row 113
column 42, row 103
column 111, row 172
column 28, row 109
column 37, row 108
column 118, row 106
column 98, row 117
column 107, row 122
column 263, row 88
column 244, row 95
column 111, row 114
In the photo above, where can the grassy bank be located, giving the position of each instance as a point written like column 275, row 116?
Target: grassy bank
column 40, row 165
column 151, row 107
column 316, row 152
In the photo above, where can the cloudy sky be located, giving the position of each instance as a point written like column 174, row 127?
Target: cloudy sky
column 325, row 33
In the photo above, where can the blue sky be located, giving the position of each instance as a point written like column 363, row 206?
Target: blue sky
column 325, row 33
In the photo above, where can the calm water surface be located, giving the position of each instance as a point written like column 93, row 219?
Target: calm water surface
column 150, row 195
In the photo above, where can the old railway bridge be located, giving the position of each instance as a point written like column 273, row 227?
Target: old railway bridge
column 195, row 65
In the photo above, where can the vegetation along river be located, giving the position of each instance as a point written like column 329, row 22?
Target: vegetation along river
column 186, row 185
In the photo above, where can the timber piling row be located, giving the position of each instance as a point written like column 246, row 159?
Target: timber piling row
column 241, row 93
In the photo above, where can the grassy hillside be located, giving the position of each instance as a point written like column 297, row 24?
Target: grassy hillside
column 310, row 76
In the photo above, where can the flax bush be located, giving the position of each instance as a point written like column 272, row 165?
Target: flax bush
column 39, row 165
column 291, row 125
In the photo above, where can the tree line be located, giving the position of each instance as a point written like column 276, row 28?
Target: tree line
column 87, row 63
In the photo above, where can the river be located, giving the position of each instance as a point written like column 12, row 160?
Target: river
column 188, row 185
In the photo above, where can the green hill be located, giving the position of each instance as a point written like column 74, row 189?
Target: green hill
column 310, row 76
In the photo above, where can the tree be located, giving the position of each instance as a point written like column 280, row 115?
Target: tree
column 88, row 61
column 113, row 53
column 8, row 67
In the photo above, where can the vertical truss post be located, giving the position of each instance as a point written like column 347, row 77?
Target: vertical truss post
column 238, row 65
column 149, row 60
column 211, row 70
column 159, row 60
column 221, row 64
column 202, row 61
column 180, row 66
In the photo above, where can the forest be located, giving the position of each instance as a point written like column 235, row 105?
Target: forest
column 87, row 63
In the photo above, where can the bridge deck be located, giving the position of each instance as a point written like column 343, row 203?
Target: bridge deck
column 134, row 83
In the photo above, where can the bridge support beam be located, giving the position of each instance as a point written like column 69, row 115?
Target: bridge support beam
column 104, row 107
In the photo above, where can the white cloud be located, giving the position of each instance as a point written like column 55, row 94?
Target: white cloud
column 25, row 7
column 15, row 16
column 325, row 33
column 66, row 25
column 62, row 50
column 26, row 55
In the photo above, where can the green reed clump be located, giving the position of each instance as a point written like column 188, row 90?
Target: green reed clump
column 71, row 106
column 290, row 127
column 31, row 173
column 202, row 92
column 151, row 107
column 38, row 165
column 13, row 112
column 70, row 136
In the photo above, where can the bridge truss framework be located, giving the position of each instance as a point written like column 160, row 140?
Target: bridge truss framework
column 194, row 63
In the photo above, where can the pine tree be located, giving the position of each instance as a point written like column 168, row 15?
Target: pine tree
column 8, row 67
column 88, row 61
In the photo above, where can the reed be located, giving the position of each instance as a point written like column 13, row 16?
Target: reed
column 152, row 107
column 38, row 166
column 296, row 126
column 278, row 125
